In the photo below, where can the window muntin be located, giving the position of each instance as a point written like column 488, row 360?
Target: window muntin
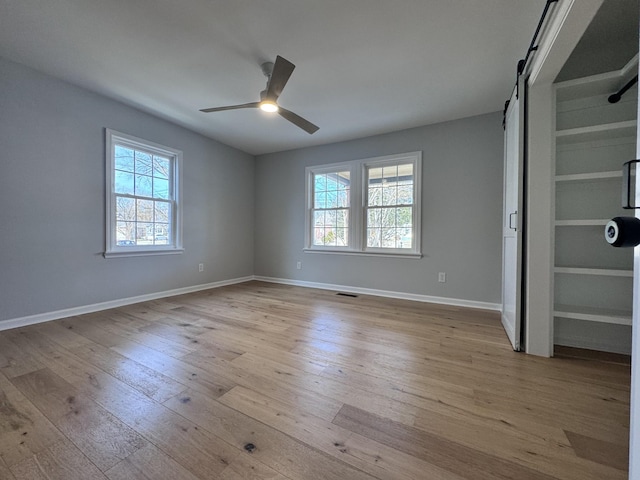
column 143, row 207
column 365, row 206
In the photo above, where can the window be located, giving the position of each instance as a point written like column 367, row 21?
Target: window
column 365, row 206
column 330, row 210
column 143, row 197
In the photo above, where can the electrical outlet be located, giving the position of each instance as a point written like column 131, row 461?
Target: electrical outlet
column 442, row 277
column 201, row 267
column 299, row 265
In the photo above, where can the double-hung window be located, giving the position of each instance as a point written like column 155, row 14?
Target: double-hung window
column 365, row 206
column 143, row 197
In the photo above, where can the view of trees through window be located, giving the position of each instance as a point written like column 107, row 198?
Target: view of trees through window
column 369, row 206
column 143, row 197
column 331, row 209
column 390, row 206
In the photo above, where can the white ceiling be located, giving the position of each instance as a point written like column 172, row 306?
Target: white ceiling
column 364, row 67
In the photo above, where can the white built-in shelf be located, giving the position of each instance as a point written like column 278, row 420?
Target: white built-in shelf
column 588, row 177
column 604, row 83
column 591, row 314
column 592, row 222
column 605, row 272
column 595, row 133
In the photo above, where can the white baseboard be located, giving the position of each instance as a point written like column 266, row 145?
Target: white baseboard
column 385, row 293
column 96, row 307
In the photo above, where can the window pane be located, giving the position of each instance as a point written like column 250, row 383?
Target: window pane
column 332, row 199
column 388, row 238
column 345, row 180
column 143, row 163
column 144, row 186
column 123, row 159
column 330, row 218
column 125, row 209
column 124, row 182
column 343, row 198
column 320, row 200
column 375, row 196
column 342, row 237
column 390, row 195
column 162, row 212
column 125, row 234
column 374, row 217
column 330, row 191
column 320, row 183
column 373, row 237
column 161, row 235
column 342, row 218
column 390, row 174
column 405, row 194
column 144, row 210
column 160, row 188
column 404, row 217
column 144, row 233
column 161, row 167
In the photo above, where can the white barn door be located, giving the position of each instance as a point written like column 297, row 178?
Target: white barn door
column 512, row 217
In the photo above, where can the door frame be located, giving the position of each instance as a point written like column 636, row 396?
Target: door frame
column 568, row 21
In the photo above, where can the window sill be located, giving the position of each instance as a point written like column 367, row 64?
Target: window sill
column 142, row 253
column 364, row 254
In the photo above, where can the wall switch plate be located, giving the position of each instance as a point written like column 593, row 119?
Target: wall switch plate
column 442, row 277
column 201, row 267
column 299, row 265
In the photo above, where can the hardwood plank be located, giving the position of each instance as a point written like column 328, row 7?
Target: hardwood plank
column 15, row 362
column 146, row 380
column 310, row 402
column 62, row 461
column 182, row 372
column 5, row 473
column 369, row 456
column 245, row 467
column 24, row 430
column 599, row 451
column 149, row 463
column 291, row 458
column 102, row 437
column 460, row 459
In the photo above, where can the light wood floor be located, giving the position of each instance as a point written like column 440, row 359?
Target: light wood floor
column 263, row 381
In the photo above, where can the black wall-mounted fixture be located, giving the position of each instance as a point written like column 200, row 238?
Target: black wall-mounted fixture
column 625, row 231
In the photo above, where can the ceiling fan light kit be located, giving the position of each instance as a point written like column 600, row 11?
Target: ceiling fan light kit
column 277, row 74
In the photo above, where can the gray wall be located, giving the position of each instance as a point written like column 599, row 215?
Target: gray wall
column 52, row 196
column 461, row 224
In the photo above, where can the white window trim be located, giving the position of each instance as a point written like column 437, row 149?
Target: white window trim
column 112, row 250
column 358, row 205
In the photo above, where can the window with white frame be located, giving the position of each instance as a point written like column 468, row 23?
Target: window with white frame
column 365, row 206
column 143, row 207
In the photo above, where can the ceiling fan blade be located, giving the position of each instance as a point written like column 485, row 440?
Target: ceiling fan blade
column 282, row 70
column 231, row 107
column 297, row 120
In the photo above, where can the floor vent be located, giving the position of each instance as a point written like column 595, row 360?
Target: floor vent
column 353, row 295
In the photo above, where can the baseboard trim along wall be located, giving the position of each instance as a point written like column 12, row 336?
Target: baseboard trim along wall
column 96, row 307
column 456, row 302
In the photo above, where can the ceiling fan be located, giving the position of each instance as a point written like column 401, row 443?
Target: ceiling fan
column 277, row 76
